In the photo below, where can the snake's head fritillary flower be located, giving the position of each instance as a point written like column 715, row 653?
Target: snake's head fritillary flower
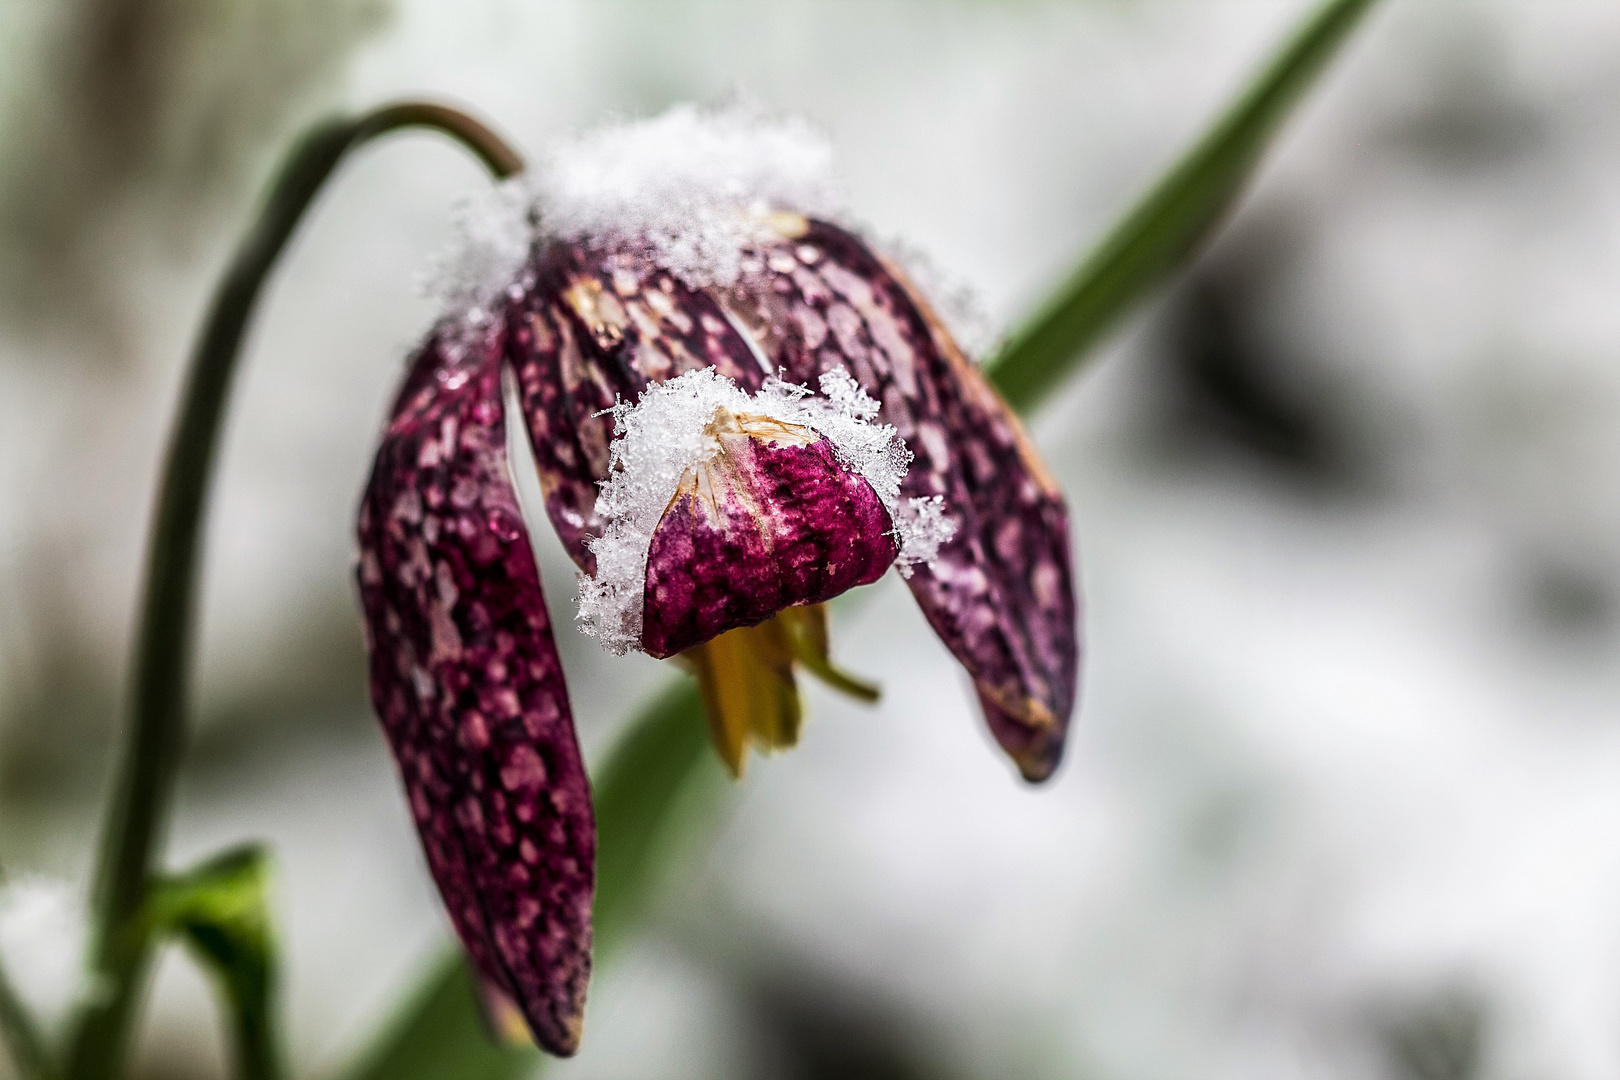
column 738, row 411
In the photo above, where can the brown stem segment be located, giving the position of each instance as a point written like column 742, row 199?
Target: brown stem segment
column 160, row 666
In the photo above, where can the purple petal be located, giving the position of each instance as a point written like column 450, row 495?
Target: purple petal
column 1001, row 594
column 466, row 680
column 767, row 524
column 593, row 328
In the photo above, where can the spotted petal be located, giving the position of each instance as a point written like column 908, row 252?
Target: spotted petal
column 466, row 680
column 772, row 520
column 596, row 328
column 1000, row 595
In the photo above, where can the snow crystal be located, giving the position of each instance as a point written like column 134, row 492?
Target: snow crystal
column 923, row 527
column 491, row 234
column 696, row 185
column 663, row 435
column 42, row 942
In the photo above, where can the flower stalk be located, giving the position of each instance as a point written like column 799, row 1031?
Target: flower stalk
column 161, row 662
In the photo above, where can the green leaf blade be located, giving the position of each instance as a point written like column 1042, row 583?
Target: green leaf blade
column 1172, row 221
column 653, row 773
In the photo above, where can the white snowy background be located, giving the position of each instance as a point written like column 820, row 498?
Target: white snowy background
column 1343, row 793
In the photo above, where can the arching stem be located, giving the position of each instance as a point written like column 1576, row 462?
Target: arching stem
column 161, row 663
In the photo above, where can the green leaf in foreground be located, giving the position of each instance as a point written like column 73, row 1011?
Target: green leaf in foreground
column 220, row 911
column 1167, row 227
column 647, row 789
column 661, row 762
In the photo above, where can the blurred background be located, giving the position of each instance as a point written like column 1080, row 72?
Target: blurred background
column 1341, row 799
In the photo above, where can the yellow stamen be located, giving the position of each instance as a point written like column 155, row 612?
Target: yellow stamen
column 749, row 691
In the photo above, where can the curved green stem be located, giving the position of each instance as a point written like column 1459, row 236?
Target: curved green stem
column 161, row 662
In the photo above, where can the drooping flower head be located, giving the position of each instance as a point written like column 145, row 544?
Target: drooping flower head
column 738, row 411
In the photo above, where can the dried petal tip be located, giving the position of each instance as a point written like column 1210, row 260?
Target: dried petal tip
column 724, row 508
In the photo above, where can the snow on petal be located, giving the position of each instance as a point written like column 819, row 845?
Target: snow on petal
column 740, row 483
column 698, row 186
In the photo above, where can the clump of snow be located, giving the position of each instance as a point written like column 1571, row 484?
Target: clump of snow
column 660, row 437
column 847, row 416
column 693, row 189
column 43, row 933
column 491, row 234
column 695, row 185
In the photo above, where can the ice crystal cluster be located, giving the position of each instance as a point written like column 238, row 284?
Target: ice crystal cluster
column 697, row 186
column 491, row 235
column 662, row 436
